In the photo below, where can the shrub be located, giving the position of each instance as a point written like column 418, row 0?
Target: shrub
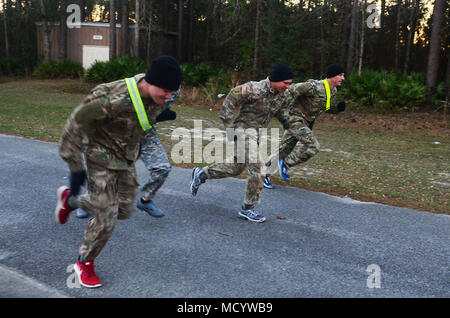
column 17, row 66
column 385, row 91
column 198, row 74
column 207, row 82
column 58, row 69
column 118, row 68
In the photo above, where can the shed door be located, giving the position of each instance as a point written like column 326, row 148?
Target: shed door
column 92, row 53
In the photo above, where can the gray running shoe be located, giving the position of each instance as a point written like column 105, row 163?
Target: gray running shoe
column 251, row 215
column 150, row 208
column 196, row 180
column 82, row 214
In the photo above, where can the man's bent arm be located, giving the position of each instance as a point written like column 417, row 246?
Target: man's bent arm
column 79, row 124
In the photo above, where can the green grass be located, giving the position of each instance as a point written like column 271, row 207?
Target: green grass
column 403, row 168
column 36, row 109
column 387, row 167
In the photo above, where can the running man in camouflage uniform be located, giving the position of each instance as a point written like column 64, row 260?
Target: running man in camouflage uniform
column 299, row 144
column 107, row 129
column 249, row 107
column 155, row 160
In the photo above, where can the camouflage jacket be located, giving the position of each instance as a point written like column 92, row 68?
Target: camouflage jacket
column 105, row 127
column 253, row 105
column 310, row 100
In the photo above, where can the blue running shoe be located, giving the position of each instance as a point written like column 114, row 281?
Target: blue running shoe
column 267, row 183
column 283, row 170
column 82, row 214
column 196, row 180
column 251, row 215
column 150, row 208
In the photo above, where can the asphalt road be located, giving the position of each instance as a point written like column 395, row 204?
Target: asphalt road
column 324, row 246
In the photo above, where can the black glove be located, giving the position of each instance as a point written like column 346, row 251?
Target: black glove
column 77, row 180
column 341, row 107
column 167, row 114
column 285, row 124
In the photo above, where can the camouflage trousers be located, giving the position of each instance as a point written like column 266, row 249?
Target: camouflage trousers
column 111, row 196
column 235, row 166
column 155, row 160
column 298, row 145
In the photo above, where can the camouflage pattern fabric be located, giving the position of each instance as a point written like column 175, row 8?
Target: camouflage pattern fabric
column 299, row 143
column 244, row 156
column 105, row 127
column 251, row 105
column 154, row 157
column 310, row 100
column 106, row 131
column 111, row 196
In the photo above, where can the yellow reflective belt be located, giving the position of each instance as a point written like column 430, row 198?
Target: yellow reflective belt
column 327, row 88
column 137, row 103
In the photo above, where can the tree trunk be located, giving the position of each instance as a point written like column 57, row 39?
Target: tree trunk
column 180, row 30
column 112, row 30
column 5, row 27
column 191, row 31
column 361, row 47
column 397, row 36
column 136, row 30
column 46, row 31
column 447, row 86
column 207, row 36
column 124, row 29
column 321, row 46
column 344, row 34
column 213, row 29
column 351, row 44
column 148, row 11
column 256, row 51
column 82, row 12
column 412, row 31
column 166, row 16
column 62, row 54
column 435, row 43
column 30, row 36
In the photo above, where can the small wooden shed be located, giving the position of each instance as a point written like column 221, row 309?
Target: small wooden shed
column 85, row 45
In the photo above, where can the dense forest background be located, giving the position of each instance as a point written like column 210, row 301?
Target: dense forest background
column 248, row 37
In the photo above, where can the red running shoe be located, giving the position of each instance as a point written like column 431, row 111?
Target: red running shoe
column 62, row 210
column 86, row 274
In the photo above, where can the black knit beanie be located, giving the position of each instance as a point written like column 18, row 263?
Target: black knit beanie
column 334, row 69
column 164, row 73
column 281, row 72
